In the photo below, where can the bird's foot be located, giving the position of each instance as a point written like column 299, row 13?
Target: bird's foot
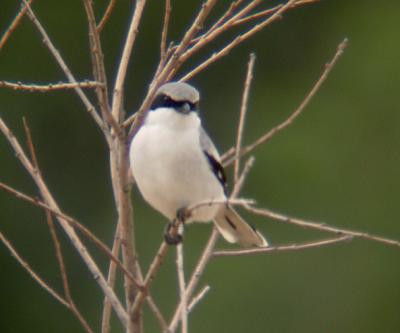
column 171, row 234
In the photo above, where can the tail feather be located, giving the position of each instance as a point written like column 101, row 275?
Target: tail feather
column 236, row 230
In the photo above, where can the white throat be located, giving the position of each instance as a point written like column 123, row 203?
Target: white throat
column 170, row 118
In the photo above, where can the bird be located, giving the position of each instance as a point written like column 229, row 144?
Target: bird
column 176, row 165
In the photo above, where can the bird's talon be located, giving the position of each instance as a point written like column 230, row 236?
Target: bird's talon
column 172, row 239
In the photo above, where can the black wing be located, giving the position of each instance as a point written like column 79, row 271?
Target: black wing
column 217, row 169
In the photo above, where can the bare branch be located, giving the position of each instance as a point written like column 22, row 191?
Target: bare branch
column 74, row 223
column 198, row 272
column 239, row 184
column 151, row 273
column 54, row 237
column 319, row 226
column 164, row 33
column 223, row 17
column 269, row 11
column 283, row 248
column 157, row 313
column 50, row 201
column 99, row 71
column 220, row 26
column 123, row 64
column 197, row 298
column 112, row 274
column 152, row 305
column 48, row 87
column 64, row 277
column 14, row 24
column 106, row 15
column 31, row 272
column 228, row 156
column 242, row 117
column 182, row 286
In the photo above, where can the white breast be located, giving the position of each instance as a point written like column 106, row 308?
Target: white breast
column 169, row 166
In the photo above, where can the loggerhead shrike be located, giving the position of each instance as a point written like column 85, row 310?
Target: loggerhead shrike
column 176, row 165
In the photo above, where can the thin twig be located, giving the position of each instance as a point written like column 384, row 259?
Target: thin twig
column 154, row 266
column 223, row 17
column 319, row 226
column 197, row 298
column 153, row 269
column 283, row 248
column 50, row 201
column 220, row 26
column 182, row 287
column 30, row 145
column 243, row 112
column 48, row 87
column 228, row 157
column 54, row 237
column 64, row 276
column 74, row 223
column 99, row 71
column 106, row 15
column 152, row 305
column 157, row 313
column 112, row 274
column 239, row 184
column 164, row 33
column 270, row 11
column 123, row 63
column 31, row 272
column 197, row 273
column 14, row 24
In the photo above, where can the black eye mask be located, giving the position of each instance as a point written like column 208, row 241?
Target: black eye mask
column 167, row 102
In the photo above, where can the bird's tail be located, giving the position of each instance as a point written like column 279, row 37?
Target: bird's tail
column 236, row 230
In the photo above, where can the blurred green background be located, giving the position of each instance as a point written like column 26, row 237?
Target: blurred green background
column 339, row 163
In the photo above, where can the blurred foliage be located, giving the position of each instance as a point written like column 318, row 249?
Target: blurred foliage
column 339, row 163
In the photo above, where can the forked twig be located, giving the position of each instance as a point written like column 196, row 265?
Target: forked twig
column 319, row 226
column 74, row 223
column 230, row 155
column 48, row 87
column 99, row 71
column 50, row 201
column 194, row 280
column 31, row 272
column 56, row 242
column 283, row 248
